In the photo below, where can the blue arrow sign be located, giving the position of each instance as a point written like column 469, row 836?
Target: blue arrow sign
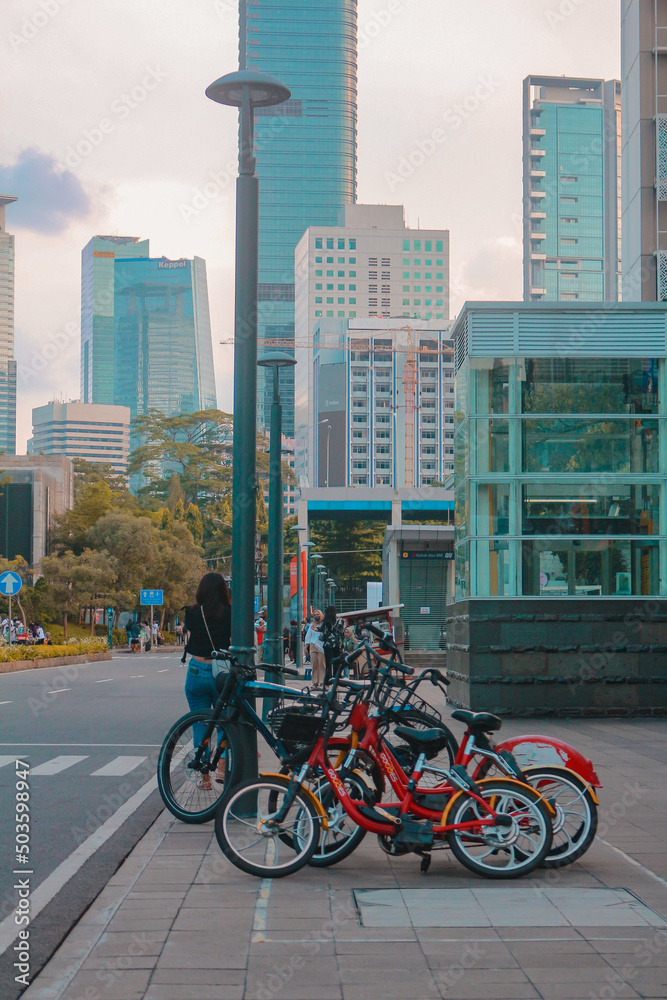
column 10, row 583
column 149, row 597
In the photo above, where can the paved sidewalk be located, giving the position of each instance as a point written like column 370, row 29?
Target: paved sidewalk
column 177, row 921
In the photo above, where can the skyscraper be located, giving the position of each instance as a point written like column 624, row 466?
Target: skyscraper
column 571, row 189
column 97, row 302
column 305, row 148
column 644, row 73
column 7, row 362
column 163, row 356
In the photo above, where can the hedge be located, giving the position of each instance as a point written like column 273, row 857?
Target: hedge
column 48, row 652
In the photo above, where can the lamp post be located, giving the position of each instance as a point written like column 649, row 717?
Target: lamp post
column 300, row 585
column 328, row 423
column 245, row 90
column 321, row 573
column 273, row 643
column 316, row 591
column 330, row 584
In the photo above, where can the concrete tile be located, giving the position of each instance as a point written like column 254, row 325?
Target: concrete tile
column 130, row 985
column 162, row 991
column 194, row 977
column 202, row 950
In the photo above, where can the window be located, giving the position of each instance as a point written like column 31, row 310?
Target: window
column 353, row 312
column 406, row 302
column 341, row 260
column 341, row 313
column 427, row 302
column 406, row 288
column 329, row 243
column 352, row 244
column 341, row 274
column 341, row 301
column 568, row 219
column 352, row 274
column 417, row 302
column 318, row 260
column 428, row 246
column 353, row 260
column 352, row 288
column 417, row 275
column 318, row 298
column 569, row 180
column 329, row 301
column 566, row 199
column 318, row 286
column 318, row 312
column 438, row 246
column 329, row 274
column 439, row 302
column 318, row 242
column 406, row 245
column 406, row 261
column 438, row 288
column 438, row 263
column 416, row 245
column 330, row 288
column 329, row 313
column 569, row 240
column 417, row 262
column 329, row 260
column 341, row 243
column 406, row 274
column 318, row 274
column 428, row 263
column 341, row 288
column 353, row 302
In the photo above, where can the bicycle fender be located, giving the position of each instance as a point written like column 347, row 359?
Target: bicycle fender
column 549, row 751
column 565, row 770
column 283, row 779
column 488, row 783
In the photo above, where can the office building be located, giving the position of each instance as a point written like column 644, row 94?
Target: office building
column 163, row 354
column 92, row 431
column 561, row 507
column 383, row 403
column 97, row 312
column 35, row 489
column 644, row 75
column 7, row 361
column 373, row 266
column 571, row 189
column 305, row 148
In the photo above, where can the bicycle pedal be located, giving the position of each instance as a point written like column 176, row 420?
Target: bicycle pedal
column 425, row 863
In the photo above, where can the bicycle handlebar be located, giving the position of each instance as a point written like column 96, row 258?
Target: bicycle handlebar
column 278, row 669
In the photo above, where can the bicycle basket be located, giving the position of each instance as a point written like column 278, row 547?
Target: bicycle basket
column 297, row 725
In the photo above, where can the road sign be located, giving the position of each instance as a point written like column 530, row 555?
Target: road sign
column 10, row 583
column 151, row 597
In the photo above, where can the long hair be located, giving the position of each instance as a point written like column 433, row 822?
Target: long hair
column 330, row 616
column 213, row 594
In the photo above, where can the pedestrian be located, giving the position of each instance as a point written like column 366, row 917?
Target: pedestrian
column 260, row 629
column 315, row 648
column 129, row 625
column 207, row 627
column 135, row 636
column 285, row 641
column 179, row 633
column 293, row 629
column 40, row 637
column 333, row 639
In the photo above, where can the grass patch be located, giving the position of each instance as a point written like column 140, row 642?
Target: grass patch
column 73, row 648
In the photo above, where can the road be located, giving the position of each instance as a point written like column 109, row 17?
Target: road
column 90, row 735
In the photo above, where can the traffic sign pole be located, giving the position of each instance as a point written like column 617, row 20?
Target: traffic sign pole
column 10, row 620
column 151, row 635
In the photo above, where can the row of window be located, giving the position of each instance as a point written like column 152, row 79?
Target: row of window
column 339, row 241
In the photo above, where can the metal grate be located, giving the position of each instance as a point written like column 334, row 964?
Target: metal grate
column 661, row 156
column 662, row 276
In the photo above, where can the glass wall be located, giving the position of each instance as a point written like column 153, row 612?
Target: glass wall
column 560, row 477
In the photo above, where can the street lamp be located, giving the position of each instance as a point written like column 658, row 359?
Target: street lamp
column 321, row 572
column 274, row 641
column 330, row 584
column 300, row 584
column 328, row 422
column 245, row 90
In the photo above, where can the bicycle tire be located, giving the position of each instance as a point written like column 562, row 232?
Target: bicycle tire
column 178, row 783
column 568, row 844
column 508, row 796
column 230, row 829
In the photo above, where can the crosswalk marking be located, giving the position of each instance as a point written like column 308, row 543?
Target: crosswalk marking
column 56, row 765
column 117, row 767
column 4, row 760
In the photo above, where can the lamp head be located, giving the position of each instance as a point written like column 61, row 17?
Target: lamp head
column 276, row 359
column 265, row 90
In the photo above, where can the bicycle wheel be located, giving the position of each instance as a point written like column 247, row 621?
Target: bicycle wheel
column 497, row 851
column 576, row 820
column 191, row 793
column 251, row 839
column 343, row 836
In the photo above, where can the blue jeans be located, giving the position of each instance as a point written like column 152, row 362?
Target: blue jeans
column 201, row 692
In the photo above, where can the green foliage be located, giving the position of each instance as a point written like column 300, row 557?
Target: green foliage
column 74, row 648
column 350, row 539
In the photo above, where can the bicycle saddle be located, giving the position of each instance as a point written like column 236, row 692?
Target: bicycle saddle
column 481, row 722
column 422, row 740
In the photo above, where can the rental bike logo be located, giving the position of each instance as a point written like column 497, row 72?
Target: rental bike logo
column 22, row 885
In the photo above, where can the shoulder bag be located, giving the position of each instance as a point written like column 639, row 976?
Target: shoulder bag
column 218, row 665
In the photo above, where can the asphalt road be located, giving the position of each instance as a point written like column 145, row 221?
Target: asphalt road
column 90, row 735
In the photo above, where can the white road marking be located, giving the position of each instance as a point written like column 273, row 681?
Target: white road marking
column 56, row 765
column 104, row 680
column 5, row 702
column 135, row 676
column 4, row 760
column 45, row 892
column 647, row 871
column 165, row 670
column 59, row 691
column 117, row 767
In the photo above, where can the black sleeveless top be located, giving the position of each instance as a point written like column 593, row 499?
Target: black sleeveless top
column 198, row 643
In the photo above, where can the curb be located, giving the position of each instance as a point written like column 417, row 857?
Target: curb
column 55, row 661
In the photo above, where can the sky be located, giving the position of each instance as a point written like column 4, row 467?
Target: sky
column 104, row 128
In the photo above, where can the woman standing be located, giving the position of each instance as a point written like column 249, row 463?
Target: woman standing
column 208, row 628
column 315, row 648
column 333, row 638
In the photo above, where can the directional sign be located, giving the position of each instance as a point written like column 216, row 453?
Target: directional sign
column 149, row 597
column 10, row 583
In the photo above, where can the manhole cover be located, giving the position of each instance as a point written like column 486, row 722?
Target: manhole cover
column 503, row 907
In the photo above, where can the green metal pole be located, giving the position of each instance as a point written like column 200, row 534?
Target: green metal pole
column 299, row 603
column 244, row 479
column 273, row 642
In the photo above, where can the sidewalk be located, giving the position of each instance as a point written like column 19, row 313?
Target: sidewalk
column 177, row 921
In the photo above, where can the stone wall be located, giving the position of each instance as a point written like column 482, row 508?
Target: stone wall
column 558, row 657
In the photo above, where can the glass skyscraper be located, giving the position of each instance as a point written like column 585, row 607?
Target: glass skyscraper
column 7, row 361
column 163, row 356
column 305, row 148
column 571, row 189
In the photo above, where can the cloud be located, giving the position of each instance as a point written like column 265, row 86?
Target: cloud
column 50, row 197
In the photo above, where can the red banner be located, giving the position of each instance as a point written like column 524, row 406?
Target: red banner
column 292, row 580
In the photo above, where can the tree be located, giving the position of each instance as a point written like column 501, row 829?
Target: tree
column 131, row 542
column 351, row 550
column 99, row 472
column 76, row 579
column 24, row 597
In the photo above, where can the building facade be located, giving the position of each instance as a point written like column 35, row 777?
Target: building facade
column 571, row 189
column 92, row 431
column 644, row 73
column 306, row 148
column 382, row 404
column 7, row 360
column 370, row 266
column 163, row 353
column 97, row 312
column 561, row 505
column 35, row 489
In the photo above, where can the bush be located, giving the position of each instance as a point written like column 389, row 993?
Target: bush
column 73, row 648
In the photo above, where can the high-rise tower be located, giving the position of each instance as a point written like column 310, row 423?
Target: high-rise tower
column 7, row 362
column 644, row 72
column 571, row 189
column 305, row 148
